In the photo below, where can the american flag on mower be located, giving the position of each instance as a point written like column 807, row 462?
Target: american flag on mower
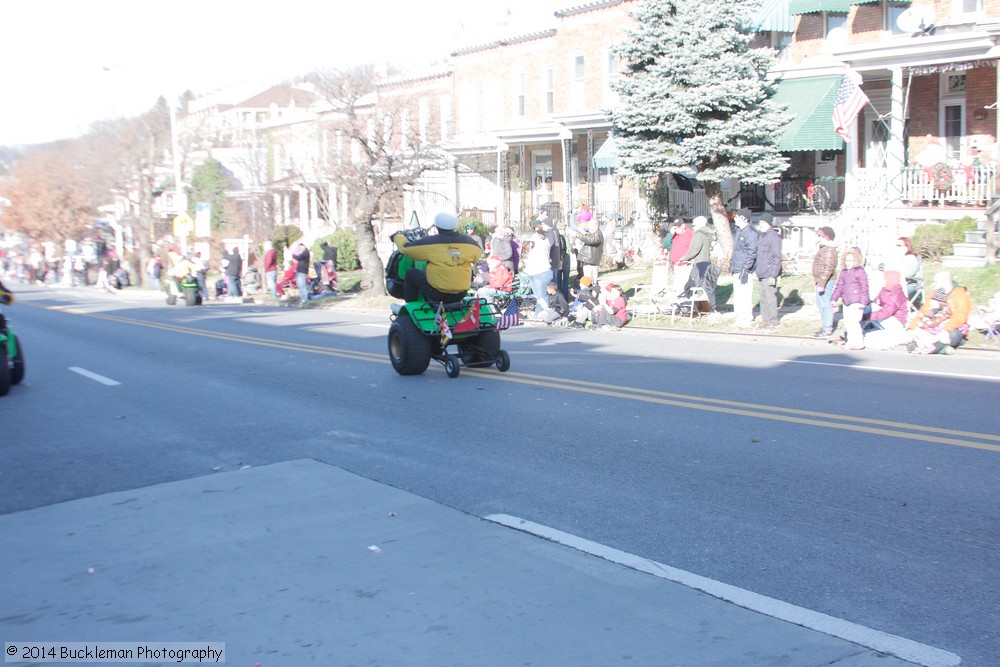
column 509, row 318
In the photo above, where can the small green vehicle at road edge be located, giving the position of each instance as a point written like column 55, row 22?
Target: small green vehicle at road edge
column 11, row 357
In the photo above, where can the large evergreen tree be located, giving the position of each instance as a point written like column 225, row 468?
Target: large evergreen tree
column 209, row 183
column 694, row 94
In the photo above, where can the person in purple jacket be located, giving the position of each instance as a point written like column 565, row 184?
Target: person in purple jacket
column 888, row 315
column 852, row 288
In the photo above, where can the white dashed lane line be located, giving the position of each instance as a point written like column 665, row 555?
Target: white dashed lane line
column 94, row 376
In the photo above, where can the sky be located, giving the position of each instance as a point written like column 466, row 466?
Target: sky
column 67, row 63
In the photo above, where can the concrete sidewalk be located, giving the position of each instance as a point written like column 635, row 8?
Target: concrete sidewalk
column 301, row 563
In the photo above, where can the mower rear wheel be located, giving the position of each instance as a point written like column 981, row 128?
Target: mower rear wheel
column 489, row 342
column 17, row 363
column 4, row 370
column 409, row 348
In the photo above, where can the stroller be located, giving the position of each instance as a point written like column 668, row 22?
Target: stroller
column 987, row 319
column 251, row 281
column 522, row 293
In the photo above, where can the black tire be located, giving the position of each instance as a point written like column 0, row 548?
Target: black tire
column 451, row 366
column 503, row 361
column 821, row 200
column 489, row 343
column 4, row 370
column 171, row 299
column 17, row 367
column 409, row 348
column 190, row 296
column 794, row 202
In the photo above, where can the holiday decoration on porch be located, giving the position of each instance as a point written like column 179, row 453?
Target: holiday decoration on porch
column 942, row 176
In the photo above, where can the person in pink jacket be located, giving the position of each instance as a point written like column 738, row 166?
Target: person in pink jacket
column 887, row 314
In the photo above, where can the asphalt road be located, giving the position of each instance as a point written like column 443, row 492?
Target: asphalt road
column 863, row 485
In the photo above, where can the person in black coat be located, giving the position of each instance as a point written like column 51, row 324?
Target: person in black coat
column 741, row 264
column 232, row 262
column 768, row 269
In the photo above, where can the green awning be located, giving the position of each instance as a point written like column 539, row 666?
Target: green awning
column 811, row 6
column 774, row 16
column 606, row 155
column 810, row 102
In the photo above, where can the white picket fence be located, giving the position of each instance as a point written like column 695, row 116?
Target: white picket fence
column 970, row 185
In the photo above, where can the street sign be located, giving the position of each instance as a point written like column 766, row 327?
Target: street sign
column 183, row 225
column 203, row 219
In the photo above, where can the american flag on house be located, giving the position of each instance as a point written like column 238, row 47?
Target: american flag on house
column 510, row 317
column 850, row 101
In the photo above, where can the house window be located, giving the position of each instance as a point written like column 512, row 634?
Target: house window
column 878, row 144
column 611, row 65
column 954, row 84
column 953, row 128
column 892, row 12
column 548, row 90
column 423, row 118
column 445, row 110
column 782, row 43
column 576, row 86
column 492, row 114
column 519, row 109
column 404, row 130
column 834, row 21
column 970, row 6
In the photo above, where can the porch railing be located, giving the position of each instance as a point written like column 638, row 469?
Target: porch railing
column 486, row 215
column 683, row 204
column 973, row 185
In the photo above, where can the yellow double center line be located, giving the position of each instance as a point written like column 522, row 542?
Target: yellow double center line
column 893, row 429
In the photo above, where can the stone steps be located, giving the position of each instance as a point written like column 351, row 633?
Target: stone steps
column 959, row 262
column 972, row 253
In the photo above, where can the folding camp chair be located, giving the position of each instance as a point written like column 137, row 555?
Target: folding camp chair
column 651, row 302
column 691, row 305
column 914, row 294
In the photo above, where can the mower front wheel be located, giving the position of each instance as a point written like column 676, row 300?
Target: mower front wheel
column 503, row 361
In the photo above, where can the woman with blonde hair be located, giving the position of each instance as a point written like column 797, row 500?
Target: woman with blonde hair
column 852, row 288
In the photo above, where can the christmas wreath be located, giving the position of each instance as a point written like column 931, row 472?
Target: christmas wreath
column 942, row 177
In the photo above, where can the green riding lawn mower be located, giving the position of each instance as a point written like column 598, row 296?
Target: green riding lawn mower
column 423, row 330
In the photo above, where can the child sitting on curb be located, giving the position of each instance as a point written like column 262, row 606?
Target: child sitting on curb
column 557, row 312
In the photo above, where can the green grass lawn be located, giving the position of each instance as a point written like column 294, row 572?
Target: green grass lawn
column 795, row 294
column 797, row 290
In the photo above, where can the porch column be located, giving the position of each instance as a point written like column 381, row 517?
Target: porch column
column 345, row 216
column 894, row 151
column 503, row 207
column 303, row 208
column 331, row 204
column 314, row 205
column 564, row 139
column 591, row 185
